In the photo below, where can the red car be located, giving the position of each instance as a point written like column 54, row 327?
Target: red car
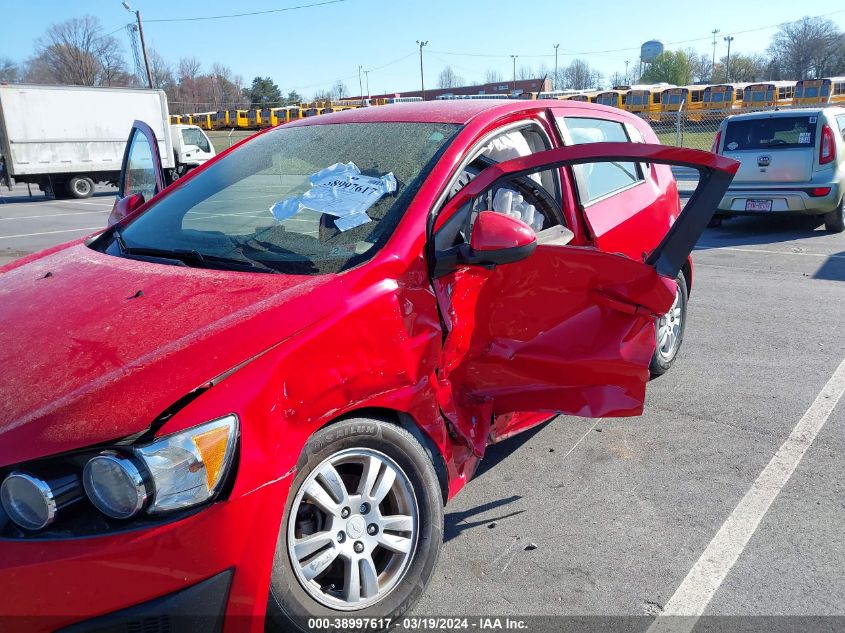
column 254, row 392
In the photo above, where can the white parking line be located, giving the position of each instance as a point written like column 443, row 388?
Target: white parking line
column 53, row 215
column 93, row 204
column 93, row 228
column 704, row 579
column 706, row 247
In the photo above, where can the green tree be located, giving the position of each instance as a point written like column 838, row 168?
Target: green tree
column 670, row 67
column 293, row 98
column 264, row 92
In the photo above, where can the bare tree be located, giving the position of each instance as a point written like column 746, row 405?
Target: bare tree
column 579, row 76
column 9, row 71
column 525, row 72
column 493, row 76
column 807, row 47
column 338, row 90
column 76, row 52
column 448, row 79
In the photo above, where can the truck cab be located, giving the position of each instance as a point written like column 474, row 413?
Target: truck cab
column 191, row 147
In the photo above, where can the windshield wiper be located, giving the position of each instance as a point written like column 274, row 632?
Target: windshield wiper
column 193, row 257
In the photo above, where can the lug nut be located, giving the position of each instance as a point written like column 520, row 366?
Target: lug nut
column 365, row 507
column 344, row 513
column 372, row 528
column 359, row 547
column 341, row 536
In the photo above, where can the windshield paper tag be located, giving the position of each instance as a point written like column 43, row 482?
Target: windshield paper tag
column 340, row 191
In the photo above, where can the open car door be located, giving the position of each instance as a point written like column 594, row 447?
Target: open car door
column 141, row 173
column 533, row 324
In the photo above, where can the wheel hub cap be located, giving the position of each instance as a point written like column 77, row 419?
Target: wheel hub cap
column 339, row 561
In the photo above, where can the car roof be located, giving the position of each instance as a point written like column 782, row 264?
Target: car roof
column 460, row 111
column 768, row 114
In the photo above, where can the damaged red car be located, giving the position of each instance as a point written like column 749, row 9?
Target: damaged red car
column 246, row 401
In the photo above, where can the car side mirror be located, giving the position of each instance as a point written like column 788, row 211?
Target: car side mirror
column 499, row 239
column 124, row 207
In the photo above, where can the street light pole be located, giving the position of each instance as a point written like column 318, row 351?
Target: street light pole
column 626, row 70
column 728, row 39
column 360, row 83
column 715, row 32
column 513, row 57
column 367, row 76
column 554, row 77
column 422, row 76
column 143, row 44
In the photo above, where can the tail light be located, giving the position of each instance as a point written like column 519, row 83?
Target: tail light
column 827, row 148
column 818, row 192
column 716, row 142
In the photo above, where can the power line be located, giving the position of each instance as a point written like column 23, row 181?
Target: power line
column 633, row 48
column 241, row 15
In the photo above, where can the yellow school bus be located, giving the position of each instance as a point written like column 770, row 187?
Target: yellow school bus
column 646, row 100
column 613, row 98
column 175, row 119
column 253, row 118
column 588, row 96
column 238, row 119
column 768, row 94
column 819, row 91
column 691, row 97
column 219, row 120
column 203, row 120
column 723, row 96
column 272, row 117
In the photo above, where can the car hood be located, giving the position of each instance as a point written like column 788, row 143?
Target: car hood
column 94, row 347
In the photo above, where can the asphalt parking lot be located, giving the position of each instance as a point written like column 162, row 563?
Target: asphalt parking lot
column 609, row 517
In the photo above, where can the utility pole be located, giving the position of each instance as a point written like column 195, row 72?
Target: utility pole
column 367, row 76
column 422, row 76
column 715, row 32
column 626, row 70
column 554, row 77
column 513, row 57
column 728, row 39
column 143, row 44
column 360, row 83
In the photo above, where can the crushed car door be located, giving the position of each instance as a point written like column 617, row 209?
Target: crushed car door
column 560, row 328
column 141, row 173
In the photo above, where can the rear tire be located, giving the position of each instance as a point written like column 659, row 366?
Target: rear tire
column 80, row 187
column 834, row 222
column 669, row 331
column 388, row 582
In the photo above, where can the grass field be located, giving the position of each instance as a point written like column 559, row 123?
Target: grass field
column 224, row 139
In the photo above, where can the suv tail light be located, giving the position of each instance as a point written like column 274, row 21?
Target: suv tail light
column 827, row 148
column 715, row 148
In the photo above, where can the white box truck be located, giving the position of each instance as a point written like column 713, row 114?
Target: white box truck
column 66, row 138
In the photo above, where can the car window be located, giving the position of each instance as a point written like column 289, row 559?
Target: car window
column 534, row 199
column 300, row 200
column 596, row 180
column 194, row 136
column 767, row 133
column 140, row 174
column 840, row 121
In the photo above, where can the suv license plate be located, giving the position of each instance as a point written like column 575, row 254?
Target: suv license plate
column 758, row 205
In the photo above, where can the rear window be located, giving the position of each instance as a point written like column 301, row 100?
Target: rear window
column 777, row 132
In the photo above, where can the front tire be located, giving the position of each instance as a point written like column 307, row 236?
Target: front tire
column 834, row 222
column 670, row 330
column 362, row 527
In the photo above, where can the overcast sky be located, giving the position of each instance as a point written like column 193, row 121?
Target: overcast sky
column 310, row 48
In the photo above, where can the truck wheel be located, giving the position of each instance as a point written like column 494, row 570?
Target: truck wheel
column 80, row 187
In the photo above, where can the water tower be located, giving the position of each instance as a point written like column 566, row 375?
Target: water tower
column 649, row 50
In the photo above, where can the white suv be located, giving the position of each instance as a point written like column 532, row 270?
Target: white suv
column 791, row 161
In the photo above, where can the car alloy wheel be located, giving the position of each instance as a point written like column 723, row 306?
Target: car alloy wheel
column 353, row 529
column 670, row 328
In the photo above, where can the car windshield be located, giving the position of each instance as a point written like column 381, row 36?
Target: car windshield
column 194, row 136
column 298, row 200
column 768, row 133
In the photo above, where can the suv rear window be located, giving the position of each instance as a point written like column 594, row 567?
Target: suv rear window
column 776, row 132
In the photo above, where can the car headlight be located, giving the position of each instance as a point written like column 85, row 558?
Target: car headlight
column 173, row 473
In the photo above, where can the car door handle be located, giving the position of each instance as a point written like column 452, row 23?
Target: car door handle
column 626, row 307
